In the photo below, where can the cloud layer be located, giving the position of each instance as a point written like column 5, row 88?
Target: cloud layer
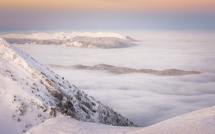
column 143, row 98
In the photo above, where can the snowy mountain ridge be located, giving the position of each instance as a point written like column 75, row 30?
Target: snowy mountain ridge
column 31, row 93
column 63, row 35
column 86, row 40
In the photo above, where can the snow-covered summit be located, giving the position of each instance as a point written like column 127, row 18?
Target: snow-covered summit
column 31, row 93
column 63, row 35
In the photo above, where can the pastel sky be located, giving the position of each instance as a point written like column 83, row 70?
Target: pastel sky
column 106, row 14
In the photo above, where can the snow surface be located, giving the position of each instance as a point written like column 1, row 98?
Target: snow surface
column 63, row 35
column 65, row 125
column 197, row 122
column 21, row 108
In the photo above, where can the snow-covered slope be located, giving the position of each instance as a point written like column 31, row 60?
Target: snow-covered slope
column 30, row 93
column 197, row 122
column 86, row 40
column 65, row 125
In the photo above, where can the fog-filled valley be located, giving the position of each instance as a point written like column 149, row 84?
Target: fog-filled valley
column 145, row 99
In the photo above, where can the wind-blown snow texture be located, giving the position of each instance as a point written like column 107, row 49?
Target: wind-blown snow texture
column 31, row 93
column 86, row 40
column 197, row 122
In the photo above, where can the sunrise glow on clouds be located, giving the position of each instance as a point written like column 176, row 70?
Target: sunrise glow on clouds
column 139, row 5
column 106, row 14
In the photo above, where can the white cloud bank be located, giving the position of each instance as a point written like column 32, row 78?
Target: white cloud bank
column 145, row 99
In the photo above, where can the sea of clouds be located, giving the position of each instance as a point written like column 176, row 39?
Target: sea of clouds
column 145, row 99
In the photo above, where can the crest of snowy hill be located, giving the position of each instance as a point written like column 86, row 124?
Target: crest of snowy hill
column 31, row 93
column 86, row 40
column 197, row 122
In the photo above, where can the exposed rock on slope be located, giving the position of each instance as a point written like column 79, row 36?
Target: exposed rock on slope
column 31, row 93
column 125, row 70
column 86, row 40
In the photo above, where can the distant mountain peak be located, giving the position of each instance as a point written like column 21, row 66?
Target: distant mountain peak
column 103, row 40
column 63, row 35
